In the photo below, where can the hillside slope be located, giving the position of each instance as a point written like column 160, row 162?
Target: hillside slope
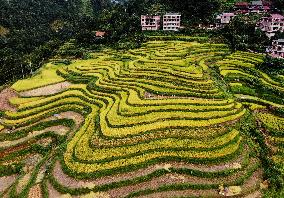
column 176, row 118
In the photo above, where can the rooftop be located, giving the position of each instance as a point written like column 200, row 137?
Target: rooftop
column 100, row 33
column 280, row 40
column 256, row 3
column 266, row 7
column 147, row 15
column 227, row 14
column 172, row 13
column 241, row 4
column 276, row 16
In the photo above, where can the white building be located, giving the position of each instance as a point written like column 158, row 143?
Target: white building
column 270, row 25
column 224, row 19
column 149, row 22
column 171, row 21
column 277, row 48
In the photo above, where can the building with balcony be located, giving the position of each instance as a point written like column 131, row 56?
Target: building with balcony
column 171, row 21
column 277, row 48
column 271, row 24
column 149, row 22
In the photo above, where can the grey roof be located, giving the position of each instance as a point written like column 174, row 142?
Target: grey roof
column 259, row 3
column 280, row 40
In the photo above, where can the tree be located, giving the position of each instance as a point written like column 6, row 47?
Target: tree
column 241, row 34
column 120, row 21
column 30, row 28
column 194, row 12
column 278, row 35
column 271, row 64
column 279, row 4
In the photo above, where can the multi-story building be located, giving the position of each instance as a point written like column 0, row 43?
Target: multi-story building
column 256, row 6
column 277, row 48
column 149, row 22
column 253, row 7
column 271, row 24
column 241, row 7
column 224, row 19
column 171, row 21
column 259, row 7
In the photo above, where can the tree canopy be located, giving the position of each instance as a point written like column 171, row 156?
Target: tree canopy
column 241, row 34
column 27, row 27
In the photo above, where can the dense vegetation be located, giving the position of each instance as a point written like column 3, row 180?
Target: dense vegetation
column 241, row 34
column 32, row 30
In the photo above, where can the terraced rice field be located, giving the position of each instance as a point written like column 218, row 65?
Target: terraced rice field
column 158, row 121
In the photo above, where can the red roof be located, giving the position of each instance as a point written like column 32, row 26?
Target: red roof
column 100, row 34
column 267, row 3
column 241, row 4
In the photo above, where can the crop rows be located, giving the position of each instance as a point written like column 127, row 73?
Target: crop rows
column 247, row 82
column 147, row 122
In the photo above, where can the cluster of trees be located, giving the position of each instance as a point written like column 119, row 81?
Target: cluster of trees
column 272, row 65
column 241, row 34
column 279, row 4
column 32, row 30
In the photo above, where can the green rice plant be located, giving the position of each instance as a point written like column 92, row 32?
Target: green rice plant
column 173, row 101
column 271, row 121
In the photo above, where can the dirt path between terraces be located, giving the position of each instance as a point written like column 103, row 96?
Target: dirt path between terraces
column 249, row 185
column 47, row 90
column 78, row 119
column 35, row 192
column 7, row 181
column 5, row 95
column 66, row 180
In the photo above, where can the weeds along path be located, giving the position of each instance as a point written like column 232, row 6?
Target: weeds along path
column 157, row 121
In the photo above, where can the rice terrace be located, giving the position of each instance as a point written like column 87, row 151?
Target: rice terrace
column 178, row 117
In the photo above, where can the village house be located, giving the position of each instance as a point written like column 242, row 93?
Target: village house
column 149, row 22
column 224, row 19
column 172, row 21
column 256, row 6
column 271, row 24
column 207, row 27
column 253, row 7
column 100, row 34
column 259, row 7
column 241, row 7
column 277, row 48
